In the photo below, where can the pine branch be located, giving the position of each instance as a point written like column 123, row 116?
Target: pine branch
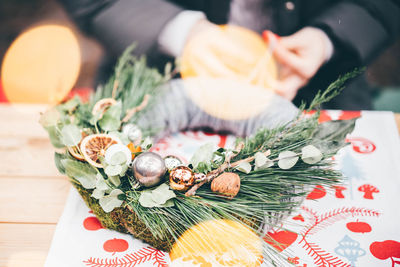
column 333, row 90
column 213, row 174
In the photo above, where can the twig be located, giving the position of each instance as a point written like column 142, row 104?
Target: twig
column 132, row 111
column 115, row 86
column 213, row 174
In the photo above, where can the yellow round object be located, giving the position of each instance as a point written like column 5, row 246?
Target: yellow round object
column 226, row 98
column 218, row 243
column 41, row 65
column 229, row 52
column 94, row 146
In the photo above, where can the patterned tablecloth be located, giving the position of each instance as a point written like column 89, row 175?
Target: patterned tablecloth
column 354, row 225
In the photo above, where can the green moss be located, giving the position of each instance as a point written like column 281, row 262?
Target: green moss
column 123, row 220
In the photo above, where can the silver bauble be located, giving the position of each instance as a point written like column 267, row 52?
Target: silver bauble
column 133, row 133
column 149, row 169
column 171, row 162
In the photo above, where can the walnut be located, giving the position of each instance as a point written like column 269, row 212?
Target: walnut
column 227, row 184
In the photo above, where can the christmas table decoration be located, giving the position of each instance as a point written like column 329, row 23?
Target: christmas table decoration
column 104, row 147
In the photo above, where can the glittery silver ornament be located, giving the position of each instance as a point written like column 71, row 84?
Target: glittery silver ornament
column 149, row 169
column 133, row 133
column 171, row 162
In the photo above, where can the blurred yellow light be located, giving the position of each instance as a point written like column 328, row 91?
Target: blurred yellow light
column 218, row 243
column 229, row 52
column 41, row 65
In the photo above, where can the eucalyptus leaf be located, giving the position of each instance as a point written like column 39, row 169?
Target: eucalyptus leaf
column 146, row 199
column 83, row 173
column 330, row 136
column 260, row 159
column 169, row 203
column 218, row 158
column 113, row 170
column 98, row 194
column 244, row 167
column 101, row 183
column 57, row 159
column 115, row 180
column 118, row 158
column 95, row 118
column 55, row 137
column 110, row 202
column 147, row 143
column 310, row 154
column 124, row 139
column 162, row 193
column 204, row 154
column 287, row 159
column 50, row 118
column 262, row 162
column 111, row 119
column 70, row 105
column 71, row 135
column 125, row 167
column 161, row 196
column 108, row 123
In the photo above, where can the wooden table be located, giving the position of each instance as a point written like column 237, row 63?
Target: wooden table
column 32, row 193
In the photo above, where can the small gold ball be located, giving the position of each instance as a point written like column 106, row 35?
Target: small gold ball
column 181, row 178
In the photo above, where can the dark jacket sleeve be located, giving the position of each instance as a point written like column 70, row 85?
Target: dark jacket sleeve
column 363, row 27
column 119, row 23
column 128, row 21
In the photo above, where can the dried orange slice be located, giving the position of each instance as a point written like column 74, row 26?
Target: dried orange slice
column 102, row 105
column 94, row 146
column 74, row 150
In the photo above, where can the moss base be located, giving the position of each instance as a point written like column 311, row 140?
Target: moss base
column 125, row 221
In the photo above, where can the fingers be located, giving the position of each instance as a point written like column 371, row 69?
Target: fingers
column 290, row 59
column 303, row 52
column 289, row 86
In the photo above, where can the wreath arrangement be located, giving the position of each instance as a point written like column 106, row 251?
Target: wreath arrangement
column 104, row 150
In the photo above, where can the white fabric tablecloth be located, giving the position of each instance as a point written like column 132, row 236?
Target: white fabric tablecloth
column 357, row 225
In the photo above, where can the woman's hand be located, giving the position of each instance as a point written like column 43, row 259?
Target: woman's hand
column 300, row 56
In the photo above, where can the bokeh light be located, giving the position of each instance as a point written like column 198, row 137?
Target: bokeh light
column 41, row 65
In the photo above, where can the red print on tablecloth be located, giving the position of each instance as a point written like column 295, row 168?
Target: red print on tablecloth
column 348, row 115
column 162, row 145
column 318, row 192
column 115, row 245
column 328, row 115
column 359, row 227
column 294, row 260
column 361, row 145
column 298, row 218
column 339, row 191
column 385, row 250
column 145, row 255
column 368, row 190
column 222, row 138
column 92, row 224
column 323, row 115
column 317, row 222
column 280, row 240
